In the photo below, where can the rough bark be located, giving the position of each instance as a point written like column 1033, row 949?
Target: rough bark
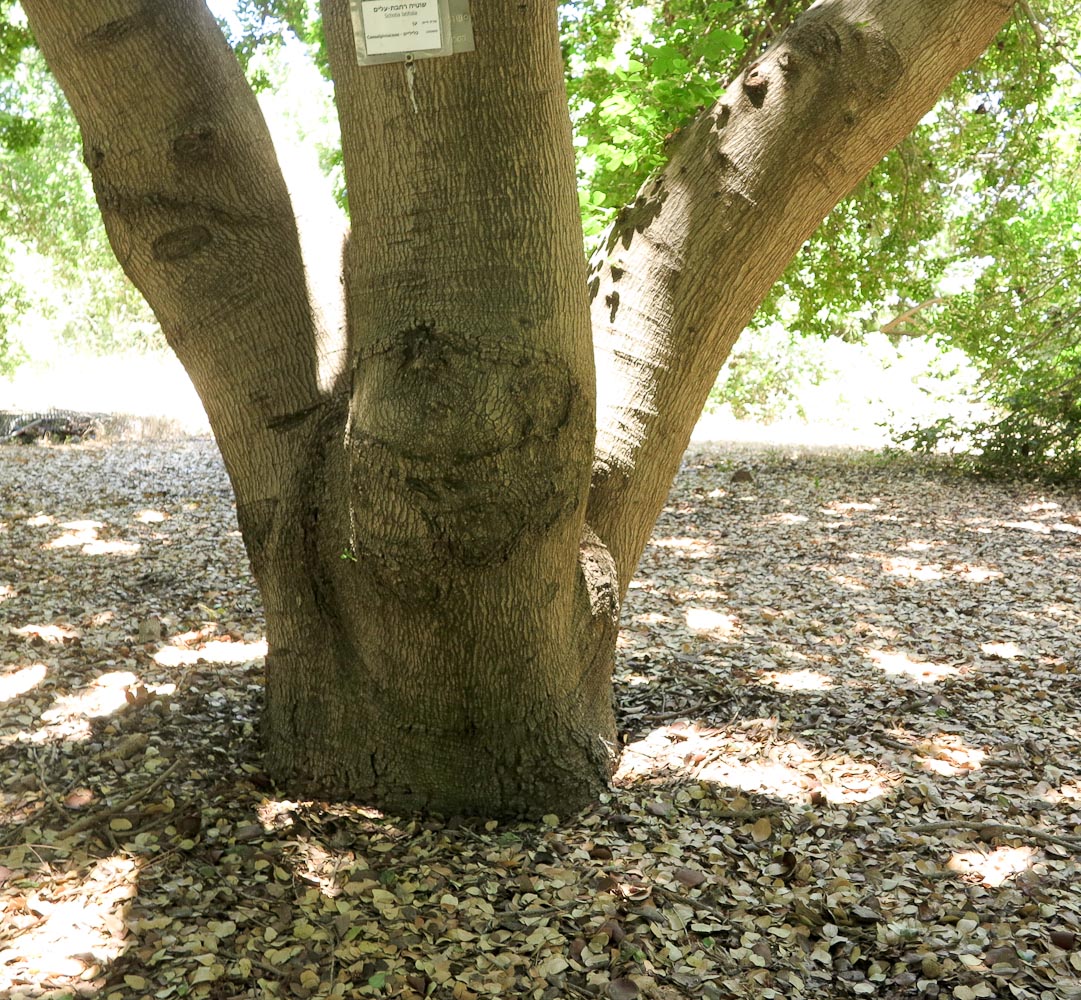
column 441, row 618
column 685, row 266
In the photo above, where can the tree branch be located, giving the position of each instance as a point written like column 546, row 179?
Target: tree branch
column 1037, row 30
column 685, row 266
column 894, row 325
column 992, row 829
column 197, row 213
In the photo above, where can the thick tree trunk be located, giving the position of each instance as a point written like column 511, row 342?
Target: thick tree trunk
column 394, row 677
column 413, row 489
column 445, row 523
column 441, row 624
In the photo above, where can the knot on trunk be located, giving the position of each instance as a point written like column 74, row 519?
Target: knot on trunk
column 599, row 576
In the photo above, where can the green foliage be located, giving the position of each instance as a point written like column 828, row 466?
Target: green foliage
column 57, row 265
column 767, row 375
column 19, row 130
column 1018, row 245
column 1037, row 435
column 638, row 72
column 968, row 230
column 264, row 25
column 934, row 200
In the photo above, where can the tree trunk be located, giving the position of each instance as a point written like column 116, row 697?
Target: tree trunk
column 413, row 487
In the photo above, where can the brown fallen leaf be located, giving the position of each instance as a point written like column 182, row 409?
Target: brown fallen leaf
column 689, row 877
column 614, row 930
column 621, row 989
column 79, row 798
column 1063, row 939
column 879, row 631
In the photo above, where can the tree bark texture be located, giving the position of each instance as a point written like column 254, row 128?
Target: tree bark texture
column 440, row 536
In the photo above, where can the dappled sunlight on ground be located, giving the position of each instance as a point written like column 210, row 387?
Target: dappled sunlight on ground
column 70, row 927
column 1069, row 792
column 911, row 569
column 994, row 867
column 219, row 651
column 920, row 545
column 850, row 507
column 788, row 518
column 19, row 680
column 1038, row 527
column 275, row 814
column 736, row 757
column 76, row 533
column 103, row 696
column 848, row 582
column 797, row 680
column 948, row 754
column 711, row 622
column 976, row 574
column 70, row 717
column 898, row 664
column 52, row 634
column 693, row 547
column 835, row 776
column 84, row 535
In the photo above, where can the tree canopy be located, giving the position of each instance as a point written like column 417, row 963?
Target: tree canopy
column 965, row 232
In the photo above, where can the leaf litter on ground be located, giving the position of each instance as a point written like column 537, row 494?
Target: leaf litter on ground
column 849, row 693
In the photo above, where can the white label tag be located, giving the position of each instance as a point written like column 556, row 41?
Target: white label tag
column 396, row 26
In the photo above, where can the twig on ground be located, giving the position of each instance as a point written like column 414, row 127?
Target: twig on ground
column 1011, row 829
column 95, row 817
column 695, row 904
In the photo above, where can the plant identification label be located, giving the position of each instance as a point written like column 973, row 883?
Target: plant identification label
column 389, row 31
column 393, row 27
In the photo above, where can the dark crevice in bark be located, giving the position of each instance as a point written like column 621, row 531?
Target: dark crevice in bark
column 195, row 146
column 180, row 243
column 118, row 29
column 289, row 421
column 255, row 520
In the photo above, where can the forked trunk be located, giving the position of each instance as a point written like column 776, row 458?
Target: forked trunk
column 413, row 483
column 462, row 662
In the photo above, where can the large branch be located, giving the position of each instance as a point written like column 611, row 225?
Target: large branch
column 197, row 213
column 748, row 182
column 896, row 326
